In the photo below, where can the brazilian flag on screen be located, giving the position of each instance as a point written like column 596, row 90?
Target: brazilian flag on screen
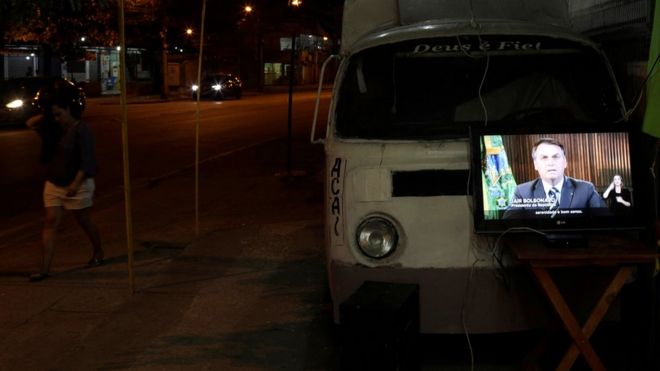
column 652, row 115
column 499, row 184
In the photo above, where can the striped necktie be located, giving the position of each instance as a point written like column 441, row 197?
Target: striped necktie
column 553, row 196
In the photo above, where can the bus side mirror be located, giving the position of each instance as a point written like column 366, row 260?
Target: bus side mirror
column 312, row 138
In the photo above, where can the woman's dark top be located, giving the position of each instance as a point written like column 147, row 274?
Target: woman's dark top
column 617, row 206
column 64, row 153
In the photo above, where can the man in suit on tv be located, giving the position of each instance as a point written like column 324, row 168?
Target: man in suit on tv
column 553, row 192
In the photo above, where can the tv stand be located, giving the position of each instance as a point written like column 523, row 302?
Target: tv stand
column 566, row 240
column 624, row 255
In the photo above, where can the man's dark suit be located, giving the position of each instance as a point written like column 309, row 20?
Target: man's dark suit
column 575, row 194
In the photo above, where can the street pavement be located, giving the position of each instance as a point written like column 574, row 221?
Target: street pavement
column 244, row 294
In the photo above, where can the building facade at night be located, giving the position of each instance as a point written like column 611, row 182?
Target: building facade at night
column 260, row 53
column 258, row 47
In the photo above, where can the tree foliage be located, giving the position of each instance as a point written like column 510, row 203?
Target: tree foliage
column 60, row 24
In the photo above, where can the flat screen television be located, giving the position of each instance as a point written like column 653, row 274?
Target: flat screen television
column 554, row 180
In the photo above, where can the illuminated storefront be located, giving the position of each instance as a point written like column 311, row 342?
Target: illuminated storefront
column 97, row 68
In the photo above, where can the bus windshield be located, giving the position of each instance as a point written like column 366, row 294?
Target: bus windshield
column 432, row 88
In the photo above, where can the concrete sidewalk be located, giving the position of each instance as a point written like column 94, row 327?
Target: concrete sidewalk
column 241, row 296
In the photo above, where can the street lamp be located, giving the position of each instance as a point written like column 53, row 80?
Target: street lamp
column 293, row 4
column 189, row 31
column 249, row 11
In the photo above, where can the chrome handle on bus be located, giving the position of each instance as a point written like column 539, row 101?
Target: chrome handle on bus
column 318, row 100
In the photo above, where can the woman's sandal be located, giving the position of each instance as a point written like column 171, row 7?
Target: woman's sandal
column 38, row 277
column 95, row 262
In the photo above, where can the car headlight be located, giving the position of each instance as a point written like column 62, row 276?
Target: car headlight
column 18, row 103
column 195, row 87
column 377, row 237
column 217, row 87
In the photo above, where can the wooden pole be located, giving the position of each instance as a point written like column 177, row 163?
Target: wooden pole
column 289, row 135
column 124, row 140
column 199, row 93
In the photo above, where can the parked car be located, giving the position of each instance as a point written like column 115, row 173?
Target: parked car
column 219, row 86
column 18, row 97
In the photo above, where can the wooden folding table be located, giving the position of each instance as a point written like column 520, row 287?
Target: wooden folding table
column 620, row 254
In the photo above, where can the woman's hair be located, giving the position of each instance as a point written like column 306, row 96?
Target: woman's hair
column 60, row 93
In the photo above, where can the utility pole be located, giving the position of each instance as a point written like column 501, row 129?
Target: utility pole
column 292, row 72
column 164, row 88
column 293, row 4
column 248, row 10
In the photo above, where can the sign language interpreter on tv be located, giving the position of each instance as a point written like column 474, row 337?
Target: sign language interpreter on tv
column 617, row 195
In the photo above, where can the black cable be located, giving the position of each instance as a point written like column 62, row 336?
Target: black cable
column 642, row 88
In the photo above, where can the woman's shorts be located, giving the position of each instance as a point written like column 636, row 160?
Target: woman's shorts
column 56, row 196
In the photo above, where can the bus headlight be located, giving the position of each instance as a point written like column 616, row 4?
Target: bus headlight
column 377, row 237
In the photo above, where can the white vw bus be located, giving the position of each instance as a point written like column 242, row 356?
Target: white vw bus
column 415, row 77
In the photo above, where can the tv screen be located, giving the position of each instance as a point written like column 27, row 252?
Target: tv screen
column 551, row 180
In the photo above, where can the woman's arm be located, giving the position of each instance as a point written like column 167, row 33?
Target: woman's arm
column 625, row 194
column 72, row 188
column 87, row 150
column 34, row 121
column 608, row 190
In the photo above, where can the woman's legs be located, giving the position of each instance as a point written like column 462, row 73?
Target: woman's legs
column 54, row 199
column 83, row 216
column 51, row 223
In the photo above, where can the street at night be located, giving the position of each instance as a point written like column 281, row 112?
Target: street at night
column 479, row 190
column 161, row 139
column 257, row 266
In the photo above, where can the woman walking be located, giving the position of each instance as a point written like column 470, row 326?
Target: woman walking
column 68, row 156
